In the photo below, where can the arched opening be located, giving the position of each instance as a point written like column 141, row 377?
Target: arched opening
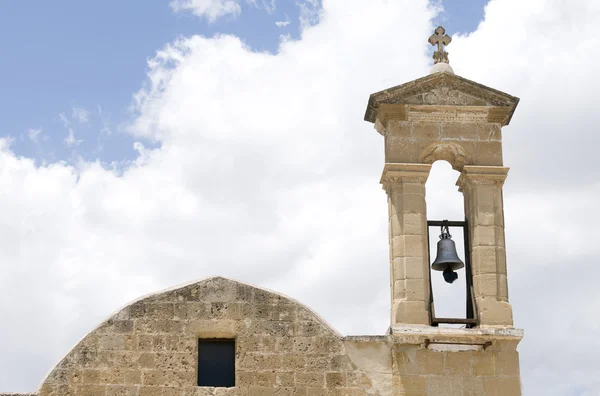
column 445, row 202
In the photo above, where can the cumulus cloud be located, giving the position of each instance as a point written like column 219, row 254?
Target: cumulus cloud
column 210, row 9
column 267, row 174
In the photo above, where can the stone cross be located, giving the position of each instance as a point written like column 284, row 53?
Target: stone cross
column 440, row 38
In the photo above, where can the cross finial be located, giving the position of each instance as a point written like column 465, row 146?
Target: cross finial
column 440, row 38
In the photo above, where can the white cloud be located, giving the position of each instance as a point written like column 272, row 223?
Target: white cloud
column 310, row 11
column 81, row 115
column 70, row 139
column 215, row 9
column 283, row 23
column 268, row 174
column 211, row 9
column 34, row 134
column 268, row 5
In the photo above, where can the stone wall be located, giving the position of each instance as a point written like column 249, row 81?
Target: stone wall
column 459, row 143
column 149, row 348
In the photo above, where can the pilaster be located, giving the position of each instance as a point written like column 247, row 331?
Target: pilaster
column 405, row 187
column 482, row 189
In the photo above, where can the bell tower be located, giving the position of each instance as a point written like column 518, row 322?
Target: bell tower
column 443, row 116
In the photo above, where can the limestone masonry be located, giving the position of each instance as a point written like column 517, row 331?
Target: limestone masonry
column 282, row 348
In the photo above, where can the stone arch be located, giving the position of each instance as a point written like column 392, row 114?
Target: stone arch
column 452, row 152
column 152, row 343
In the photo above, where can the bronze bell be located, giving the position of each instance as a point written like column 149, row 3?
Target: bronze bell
column 447, row 259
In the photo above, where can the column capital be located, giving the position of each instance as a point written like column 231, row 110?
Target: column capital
column 482, row 175
column 394, row 173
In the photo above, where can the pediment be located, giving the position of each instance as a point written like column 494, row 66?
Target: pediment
column 442, row 89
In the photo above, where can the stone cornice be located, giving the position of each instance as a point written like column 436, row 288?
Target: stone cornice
column 472, row 174
column 394, row 173
column 445, row 89
column 414, row 335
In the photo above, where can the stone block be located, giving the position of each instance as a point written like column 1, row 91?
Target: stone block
column 493, row 312
column 404, row 361
column 484, row 260
column 501, row 260
column 413, row 203
column 430, row 131
column 410, row 384
column 472, row 386
column 285, row 379
column 91, row 390
column 410, row 312
column 415, row 289
column 414, row 188
column 414, row 245
column 399, row 292
column 483, row 364
column 399, row 129
column 150, row 391
column 430, row 362
column 502, row 386
column 261, row 391
column 486, row 285
column 308, row 329
column 488, row 153
column 489, row 132
column 264, row 378
column 132, row 377
column 484, row 236
column 118, row 390
column 335, row 379
column 414, row 224
column 484, row 195
column 396, row 224
column 508, row 363
column 402, row 150
column 444, row 386
column 502, row 288
column 458, row 363
column 459, row 131
column 485, row 215
column 398, row 247
column 316, row 379
column 415, row 268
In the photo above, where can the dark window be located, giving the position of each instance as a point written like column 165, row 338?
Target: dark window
column 216, row 363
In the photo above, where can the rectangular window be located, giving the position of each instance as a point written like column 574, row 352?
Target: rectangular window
column 216, row 362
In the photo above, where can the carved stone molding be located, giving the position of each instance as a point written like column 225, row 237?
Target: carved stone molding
column 444, row 89
column 473, row 175
column 452, row 152
column 448, row 113
column 394, row 174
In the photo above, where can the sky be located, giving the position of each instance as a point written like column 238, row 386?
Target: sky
column 148, row 144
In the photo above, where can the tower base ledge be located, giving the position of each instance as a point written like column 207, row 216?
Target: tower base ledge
column 457, row 339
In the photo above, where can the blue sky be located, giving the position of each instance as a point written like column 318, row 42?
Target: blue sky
column 74, row 66
column 226, row 172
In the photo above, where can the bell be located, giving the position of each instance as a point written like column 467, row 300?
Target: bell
column 447, row 259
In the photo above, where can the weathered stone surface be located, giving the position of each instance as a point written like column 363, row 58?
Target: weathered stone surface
column 149, row 348
column 444, row 89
